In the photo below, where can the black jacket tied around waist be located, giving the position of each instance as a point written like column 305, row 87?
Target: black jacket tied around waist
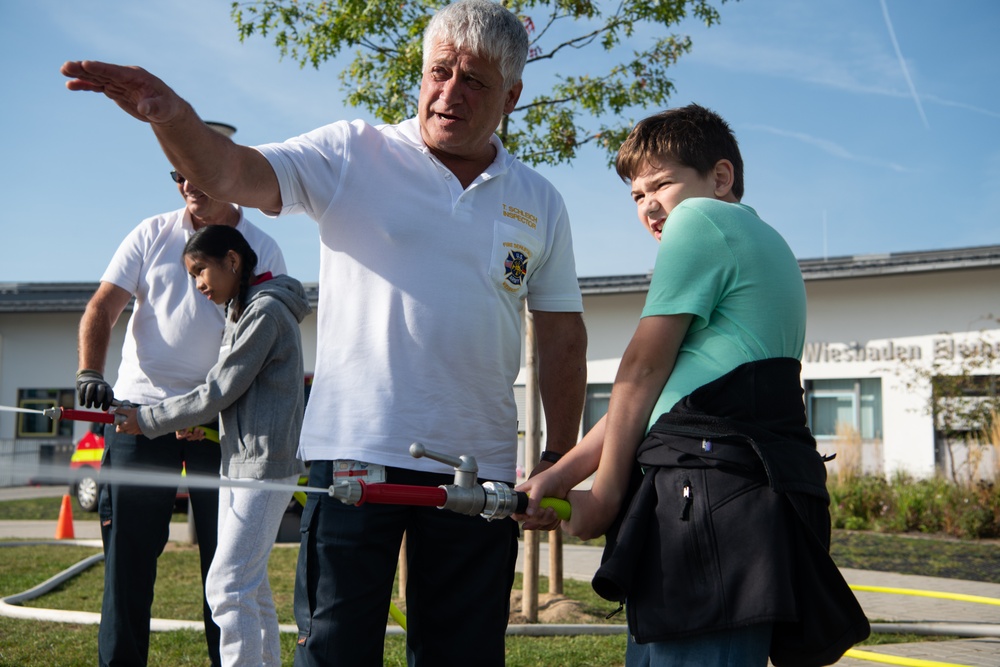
column 729, row 523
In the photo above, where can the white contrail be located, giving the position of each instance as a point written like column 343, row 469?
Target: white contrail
column 902, row 64
column 830, row 147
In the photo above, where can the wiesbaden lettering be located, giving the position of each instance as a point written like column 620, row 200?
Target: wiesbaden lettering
column 815, row 353
column 940, row 348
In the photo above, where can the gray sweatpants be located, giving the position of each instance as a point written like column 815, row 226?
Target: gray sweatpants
column 238, row 589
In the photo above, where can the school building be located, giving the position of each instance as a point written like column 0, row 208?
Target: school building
column 888, row 338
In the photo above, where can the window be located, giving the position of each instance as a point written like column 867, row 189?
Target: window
column 598, row 397
column 40, row 426
column 964, row 404
column 856, row 403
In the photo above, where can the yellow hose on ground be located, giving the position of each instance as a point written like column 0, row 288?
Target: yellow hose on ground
column 896, row 660
column 961, row 597
column 912, row 662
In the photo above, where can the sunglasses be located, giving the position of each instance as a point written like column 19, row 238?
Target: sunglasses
column 177, row 178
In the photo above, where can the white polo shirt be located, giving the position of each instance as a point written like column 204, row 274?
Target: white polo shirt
column 174, row 334
column 422, row 286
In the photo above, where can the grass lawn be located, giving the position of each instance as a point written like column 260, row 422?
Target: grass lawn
column 42, row 643
column 32, row 642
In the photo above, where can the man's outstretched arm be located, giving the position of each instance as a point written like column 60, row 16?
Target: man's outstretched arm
column 215, row 164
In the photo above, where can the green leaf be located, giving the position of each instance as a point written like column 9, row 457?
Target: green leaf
column 384, row 40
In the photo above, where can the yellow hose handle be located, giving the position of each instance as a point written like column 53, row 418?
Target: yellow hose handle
column 210, row 433
column 562, row 507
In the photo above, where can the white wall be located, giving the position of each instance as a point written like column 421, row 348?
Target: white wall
column 39, row 351
column 859, row 309
column 919, row 311
column 611, row 320
column 908, row 429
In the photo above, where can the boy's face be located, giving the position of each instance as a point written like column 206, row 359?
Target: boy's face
column 660, row 187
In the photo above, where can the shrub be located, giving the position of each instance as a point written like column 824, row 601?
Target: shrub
column 904, row 504
column 975, row 511
column 918, row 504
column 859, row 502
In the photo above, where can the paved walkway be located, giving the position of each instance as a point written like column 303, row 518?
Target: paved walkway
column 964, row 608
column 885, row 608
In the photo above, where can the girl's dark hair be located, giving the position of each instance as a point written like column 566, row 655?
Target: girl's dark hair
column 214, row 242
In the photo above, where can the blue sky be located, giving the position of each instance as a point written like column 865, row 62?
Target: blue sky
column 867, row 126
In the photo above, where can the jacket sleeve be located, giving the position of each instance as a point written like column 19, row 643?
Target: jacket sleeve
column 255, row 336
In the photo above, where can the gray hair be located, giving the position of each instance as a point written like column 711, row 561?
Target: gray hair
column 484, row 28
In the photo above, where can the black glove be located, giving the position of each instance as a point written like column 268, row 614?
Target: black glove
column 92, row 390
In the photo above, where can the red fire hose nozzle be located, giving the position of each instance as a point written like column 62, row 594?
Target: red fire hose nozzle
column 87, row 415
column 491, row 500
column 80, row 415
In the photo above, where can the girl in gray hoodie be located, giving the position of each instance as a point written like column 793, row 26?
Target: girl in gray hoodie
column 257, row 390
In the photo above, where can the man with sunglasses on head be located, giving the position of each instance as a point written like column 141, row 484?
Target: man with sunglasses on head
column 172, row 339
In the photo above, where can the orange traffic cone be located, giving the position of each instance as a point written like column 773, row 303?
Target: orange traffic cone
column 64, row 527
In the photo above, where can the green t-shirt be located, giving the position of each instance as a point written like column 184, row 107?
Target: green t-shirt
column 739, row 279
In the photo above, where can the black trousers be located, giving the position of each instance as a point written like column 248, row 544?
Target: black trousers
column 460, row 573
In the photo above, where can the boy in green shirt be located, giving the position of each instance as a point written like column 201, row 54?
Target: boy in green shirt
column 726, row 295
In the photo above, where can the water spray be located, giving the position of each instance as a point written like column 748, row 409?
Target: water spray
column 491, row 500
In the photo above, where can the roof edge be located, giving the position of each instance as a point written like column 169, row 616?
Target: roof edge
column 73, row 297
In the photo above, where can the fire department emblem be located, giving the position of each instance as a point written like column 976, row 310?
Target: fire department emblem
column 515, row 267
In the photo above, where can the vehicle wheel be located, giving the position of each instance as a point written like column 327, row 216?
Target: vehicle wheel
column 85, row 491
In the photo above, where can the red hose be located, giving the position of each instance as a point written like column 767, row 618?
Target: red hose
column 402, row 494
column 87, row 416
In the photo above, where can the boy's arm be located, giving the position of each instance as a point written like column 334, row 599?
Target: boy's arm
column 557, row 480
column 644, row 369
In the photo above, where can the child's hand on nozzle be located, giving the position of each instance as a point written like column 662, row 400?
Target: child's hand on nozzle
column 193, row 433
column 540, row 485
column 126, row 422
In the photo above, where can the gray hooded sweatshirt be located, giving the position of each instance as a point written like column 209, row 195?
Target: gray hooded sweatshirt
column 257, row 387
